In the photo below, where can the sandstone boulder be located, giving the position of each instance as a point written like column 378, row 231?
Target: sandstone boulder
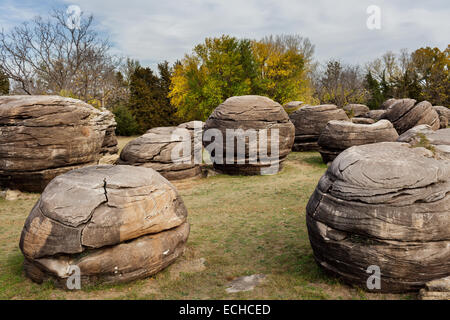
column 374, row 114
column 386, row 205
column 340, row 135
column 256, row 133
column 44, row 136
column 309, row 121
column 438, row 289
column 356, row 110
column 175, row 152
column 444, row 115
column 116, row 223
column 406, row 114
column 388, row 103
column 362, row 120
column 424, row 136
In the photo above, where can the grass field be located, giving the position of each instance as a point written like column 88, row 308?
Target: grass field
column 239, row 226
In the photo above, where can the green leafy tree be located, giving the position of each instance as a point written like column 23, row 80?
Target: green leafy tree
column 149, row 102
column 376, row 96
column 126, row 124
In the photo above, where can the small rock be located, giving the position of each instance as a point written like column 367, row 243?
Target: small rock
column 246, row 283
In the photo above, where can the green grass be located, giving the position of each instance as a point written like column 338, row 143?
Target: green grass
column 239, row 225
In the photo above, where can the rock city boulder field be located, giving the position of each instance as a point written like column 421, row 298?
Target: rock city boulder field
column 175, row 152
column 407, row 113
column 309, row 121
column 257, row 124
column 44, row 136
column 115, row 223
column 386, row 205
column 340, row 135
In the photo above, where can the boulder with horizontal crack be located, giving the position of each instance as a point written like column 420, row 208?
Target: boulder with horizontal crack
column 248, row 135
column 115, row 223
column 385, row 206
column 44, row 136
column 175, row 152
column 309, row 121
column 340, row 135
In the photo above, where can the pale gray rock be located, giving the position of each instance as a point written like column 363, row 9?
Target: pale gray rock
column 363, row 120
column 252, row 115
column 424, row 136
column 340, row 135
column 44, row 136
column 374, row 114
column 383, row 204
column 309, row 121
column 104, row 219
column 246, row 283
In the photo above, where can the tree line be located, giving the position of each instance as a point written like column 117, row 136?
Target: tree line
column 47, row 56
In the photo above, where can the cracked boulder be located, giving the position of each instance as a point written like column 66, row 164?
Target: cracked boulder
column 340, row 135
column 248, row 135
column 444, row 115
column 406, row 114
column 309, row 121
column 175, row 152
column 386, row 205
column 356, row 110
column 374, row 114
column 44, row 136
column 362, row 120
column 424, row 136
column 116, row 223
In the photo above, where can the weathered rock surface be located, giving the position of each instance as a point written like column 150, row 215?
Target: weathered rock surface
column 309, row 121
column 424, row 136
column 340, row 135
column 444, row 115
column 245, row 116
column 356, row 110
column 362, row 120
column 293, row 106
column 406, row 114
column 383, row 204
column 116, row 223
column 169, row 150
column 44, row 136
column 438, row 289
column 245, row 283
column 388, row 103
column 374, row 114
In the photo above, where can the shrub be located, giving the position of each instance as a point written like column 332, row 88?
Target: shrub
column 126, row 123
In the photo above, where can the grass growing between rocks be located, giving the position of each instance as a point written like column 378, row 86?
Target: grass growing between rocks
column 239, row 226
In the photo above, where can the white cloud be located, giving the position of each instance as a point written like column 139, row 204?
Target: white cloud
column 153, row 31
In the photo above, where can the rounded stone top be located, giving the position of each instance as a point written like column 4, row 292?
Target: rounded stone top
column 377, row 173
column 250, row 108
column 98, row 206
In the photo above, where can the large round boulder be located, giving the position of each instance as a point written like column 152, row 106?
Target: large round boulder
column 444, row 115
column 356, row 110
column 340, row 135
column 406, row 114
column 309, row 121
column 44, row 136
column 248, row 135
column 383, row 206
column 175, row 152
column 115, row 223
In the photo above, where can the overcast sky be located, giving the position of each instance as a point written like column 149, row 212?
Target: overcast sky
column 153, row 31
